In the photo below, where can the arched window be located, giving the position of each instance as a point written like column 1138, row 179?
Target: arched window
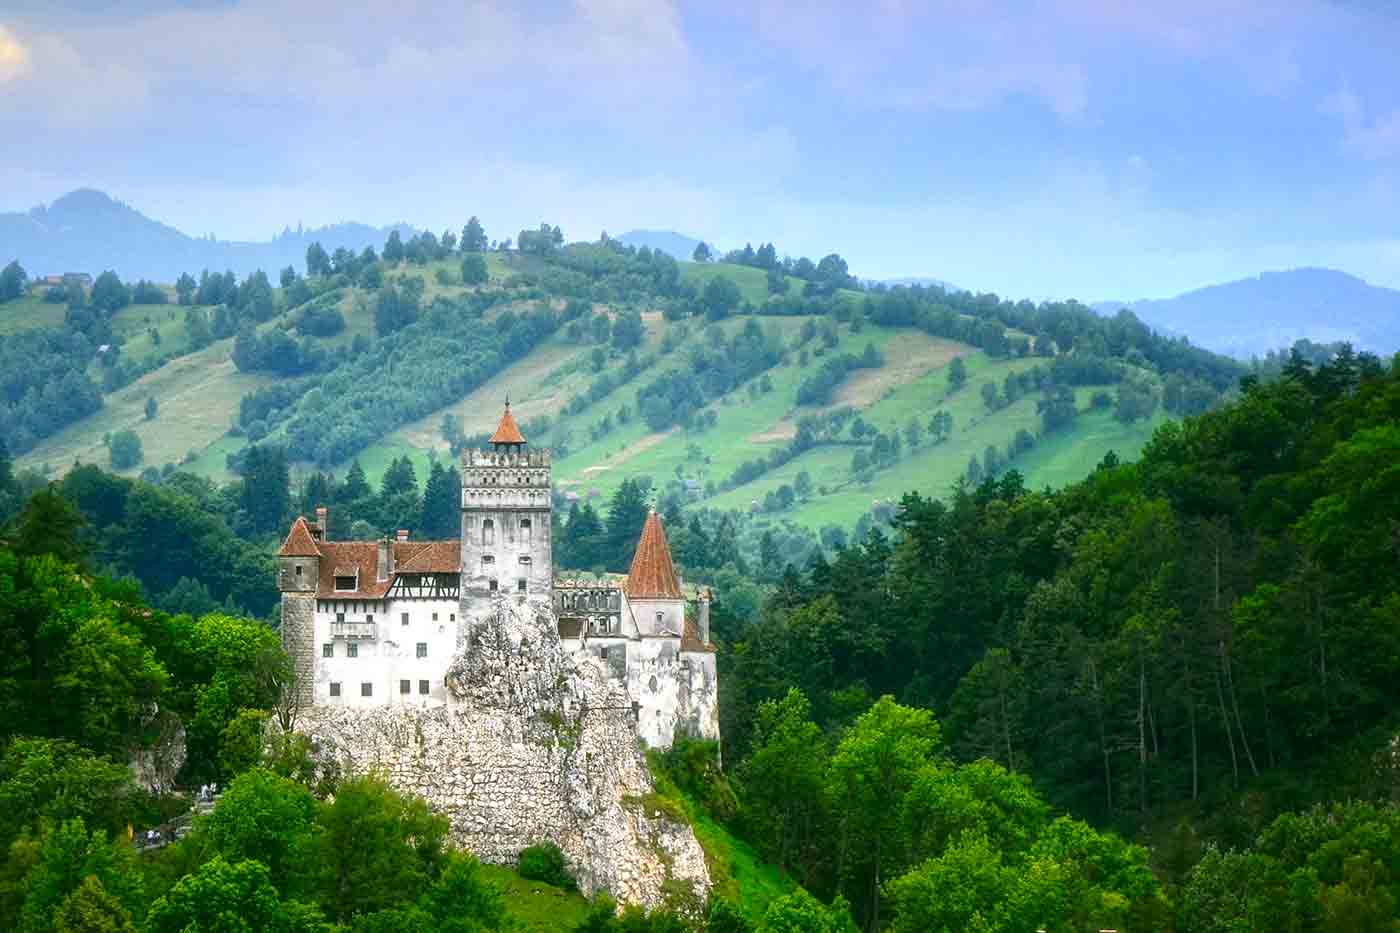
column 488, row 532
column 525, row 529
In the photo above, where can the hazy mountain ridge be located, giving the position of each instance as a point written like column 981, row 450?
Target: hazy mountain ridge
column 89, row 231
column 676, row 245
column 1249, row 317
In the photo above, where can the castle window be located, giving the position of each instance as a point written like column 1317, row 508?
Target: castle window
column 524, row 559
column 660, row 617
column 423, row 687
column 370, row 617
column 340, row 617
column 422, row 649
column 328, row 650
column 488, row 532
column 403, row 618
column 366, row 689
column 352, row 649
column 452, row 617
column 488, row 558
column 603, row 652
column 434, row 616
column 525, row 529
column 520, row 585
column 298, row 569
column 493, row 584
column 335, row 689
column 403, row 686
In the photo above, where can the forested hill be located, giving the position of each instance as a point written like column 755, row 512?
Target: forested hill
column 89, row 231
column 1184, row 646
column 778, row 388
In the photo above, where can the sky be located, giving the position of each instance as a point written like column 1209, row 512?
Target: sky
column 1041, row 148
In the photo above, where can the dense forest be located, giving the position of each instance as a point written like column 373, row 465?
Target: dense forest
column 1159, row 698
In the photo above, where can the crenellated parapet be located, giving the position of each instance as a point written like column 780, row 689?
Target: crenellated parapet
column 534, row 457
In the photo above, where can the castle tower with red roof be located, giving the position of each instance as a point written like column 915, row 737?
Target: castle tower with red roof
column 380, row 623
column 507, row 504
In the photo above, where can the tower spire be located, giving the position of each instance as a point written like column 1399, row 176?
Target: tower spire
column 508, row 432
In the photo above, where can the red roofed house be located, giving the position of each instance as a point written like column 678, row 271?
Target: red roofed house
column 371, row 623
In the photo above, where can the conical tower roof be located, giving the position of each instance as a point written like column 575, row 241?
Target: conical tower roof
column 299, row 541
column 653, row 575
column 507, row 432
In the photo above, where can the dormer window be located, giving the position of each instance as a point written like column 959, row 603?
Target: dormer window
column 346, row 582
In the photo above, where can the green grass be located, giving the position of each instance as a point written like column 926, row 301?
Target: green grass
column 911, row 385
column 534, row 905
column 197, row 395
column 737, row 873
column 29, row 313
column 753, row 283
column 134, row 324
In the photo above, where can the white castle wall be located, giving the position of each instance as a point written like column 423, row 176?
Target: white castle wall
column 388, row 658
column 532, row 743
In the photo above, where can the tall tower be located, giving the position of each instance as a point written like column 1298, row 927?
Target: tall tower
column 506, row 509
column 298, row 576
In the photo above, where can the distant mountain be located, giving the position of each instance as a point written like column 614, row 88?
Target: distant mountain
column 1270, row 311
column 676, row 244
column 89, row 231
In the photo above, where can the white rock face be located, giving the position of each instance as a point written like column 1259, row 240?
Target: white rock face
column 155, row 764
column 533, row 744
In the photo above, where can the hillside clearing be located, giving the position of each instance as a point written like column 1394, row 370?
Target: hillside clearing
column 906, row 359
column 198, row 398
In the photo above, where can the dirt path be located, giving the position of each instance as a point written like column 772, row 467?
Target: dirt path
column 641, row 446
column 906, row 359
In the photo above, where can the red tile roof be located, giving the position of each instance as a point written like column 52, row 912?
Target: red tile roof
column 427, row 557
column 653, row 576
column 507, row 432
column 345, row 558
column 690, row 638
column 299, row 541
column 361, row 558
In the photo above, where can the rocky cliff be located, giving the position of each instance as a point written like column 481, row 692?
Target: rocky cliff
column 533, row 744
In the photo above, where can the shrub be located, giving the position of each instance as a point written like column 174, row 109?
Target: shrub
column 544, row 861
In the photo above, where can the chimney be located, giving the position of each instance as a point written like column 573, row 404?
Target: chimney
column 386, row 559
column 703, row 623
column 402, row 535
column 323, row 527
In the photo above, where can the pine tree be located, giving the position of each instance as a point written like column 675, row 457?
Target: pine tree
column 440, row 503
column 627, row 512
column 355, row 487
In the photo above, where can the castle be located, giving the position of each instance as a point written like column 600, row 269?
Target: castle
column 379, row 623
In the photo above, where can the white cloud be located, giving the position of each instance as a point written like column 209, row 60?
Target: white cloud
column 1372, row 138
column 329, row 54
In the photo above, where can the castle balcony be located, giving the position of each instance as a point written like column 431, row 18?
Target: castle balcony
column 353, row 630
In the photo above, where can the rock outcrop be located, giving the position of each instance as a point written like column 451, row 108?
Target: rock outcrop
column 534, row 744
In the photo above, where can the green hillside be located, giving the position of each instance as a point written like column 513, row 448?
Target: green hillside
column 599, row 436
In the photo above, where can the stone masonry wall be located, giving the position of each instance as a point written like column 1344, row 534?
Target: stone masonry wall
column 298, row 636
column 534, row 744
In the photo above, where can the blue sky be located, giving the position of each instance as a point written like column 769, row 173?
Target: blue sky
column 1041, row 148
